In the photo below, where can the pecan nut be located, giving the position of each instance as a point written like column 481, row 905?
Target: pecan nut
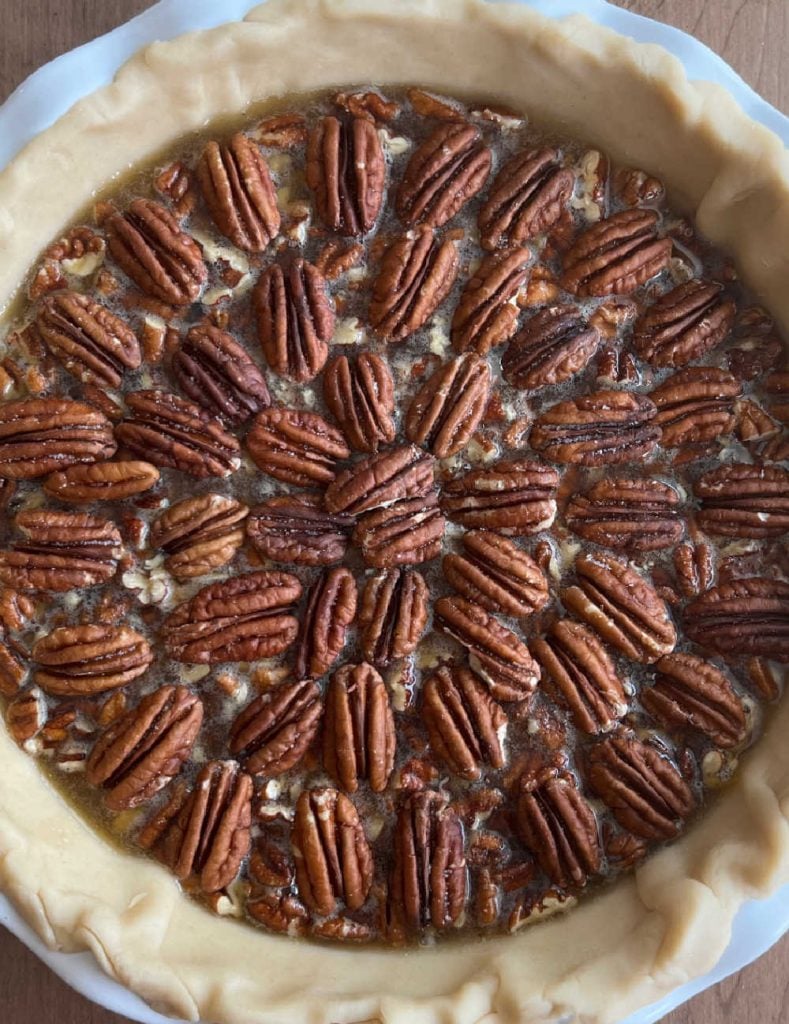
column 296, row 528
column 39, row 435
column 330, row 610
column 684, row 324
column 296, row 446
column 199, row 534
column 91, row 658
column 280, row 912
column 447, row 409
column 406, row 532
column 141, row 751
column 743, row 617
column 616, row 255
column 621, row 606
column 695, row 405
column 242, row 618
column 496, row 574
column 627, row 514
column 694, row 565
column 359, row 738
column 515, row 497
column 346, row 170
column 463, row 721
column 171, row 431
column 360, row 396
column 272, row 733
column 486, row 316
column 101, row 481
column 148, row 244
column 393, row 615
column 238, row 191
column 394, row 475
column 91, row 342
column 551, row 347
column 13, row 668
column 741, row 500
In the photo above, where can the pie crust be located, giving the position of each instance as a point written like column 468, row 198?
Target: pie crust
column 670, row 920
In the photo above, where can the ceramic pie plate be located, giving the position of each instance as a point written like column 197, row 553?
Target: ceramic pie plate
column 669, row 923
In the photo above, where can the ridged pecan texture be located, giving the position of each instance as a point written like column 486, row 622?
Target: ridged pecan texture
column 359, row 737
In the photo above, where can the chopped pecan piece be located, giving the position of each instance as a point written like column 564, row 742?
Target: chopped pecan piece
column 360, row 395
column 486, row 315
column 25, row 715
column 13, row 667
column 296, row 528
column 237, row 188
column 503, row 661
column 281, row 912
column 295, row 319
column 101, row 481
column 695, row 405
column 381, row 479
column 684, row 324
column 406, row 532
column 88, row 659
column 370, row 105
column 296, row 446
column 333, row 858
column 393, row 615
column 39, row 435
column 358, row 731
column 447, row 409
column 640, row 785
column 427, row 105
column 199, row 534
column 171, row 431
column 141, row 751
column 753, row 423
column 346, row 170
column 515, row 497
column 283, row 131
column 175, row 184
column 91, row 342
column 148, row 244
column 761, row 678
column 627, row 514
column 598, row 429
column 579, row 673
column 621, row 606
column 272, row 733
column 743, row 617
column 694, row 565
column 330, row 610
column 741, row 500
column 551, row 347
column 496, row 574
column 449, row 168
column 527, row 197
column 242, row 618
column 463, row 721
column 416, row 275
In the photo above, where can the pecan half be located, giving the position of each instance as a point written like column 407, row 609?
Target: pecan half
column 91, row 342
column 689, row 692
column 598, row 429
column 359, row 738
column 101, row 481
column 148, row 244
column 333, row 858
column 621, row 606
column 684, row 324
column 330, row 610
column 695, row 405
column 447, row 409
column 359, row 394
column 61, row 551
column 39, row 435
column 13, row 668
column 199, row 534
column 209, row 838
column 486, row 316
column 295, row 319
column 242, row 618
column 25, row 715
column 627, row 514
column 616, row 255
column 463, row 721
column 346, row 170
column 741, row 500
column 296, row 528
column 743, row 617
column 416, row 275
column 578, row 672
column 514, row 497
column 273, row 733
column 91, row 658
column 141, row 751
column 644, row 791
column 444, row 173
column 694, row 565
column 527, row 197
column 171, row 431
column 393, row 615
column 429, row 882
column 551, row 347
column 381, row 479
column 406, row 532
column 296, row 446
column 215, row 371
column 557, row 824
column 237, row 188
column 503, row 661
column 496, row 574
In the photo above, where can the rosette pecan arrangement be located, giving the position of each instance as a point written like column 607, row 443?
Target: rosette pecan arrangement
column 393, row 520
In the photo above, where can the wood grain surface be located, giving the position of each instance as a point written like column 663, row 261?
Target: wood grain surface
column 753, row 36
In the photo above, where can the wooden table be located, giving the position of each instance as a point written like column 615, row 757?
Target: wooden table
column 753, row 35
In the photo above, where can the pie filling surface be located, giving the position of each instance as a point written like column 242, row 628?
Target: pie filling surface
column 395, row 515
